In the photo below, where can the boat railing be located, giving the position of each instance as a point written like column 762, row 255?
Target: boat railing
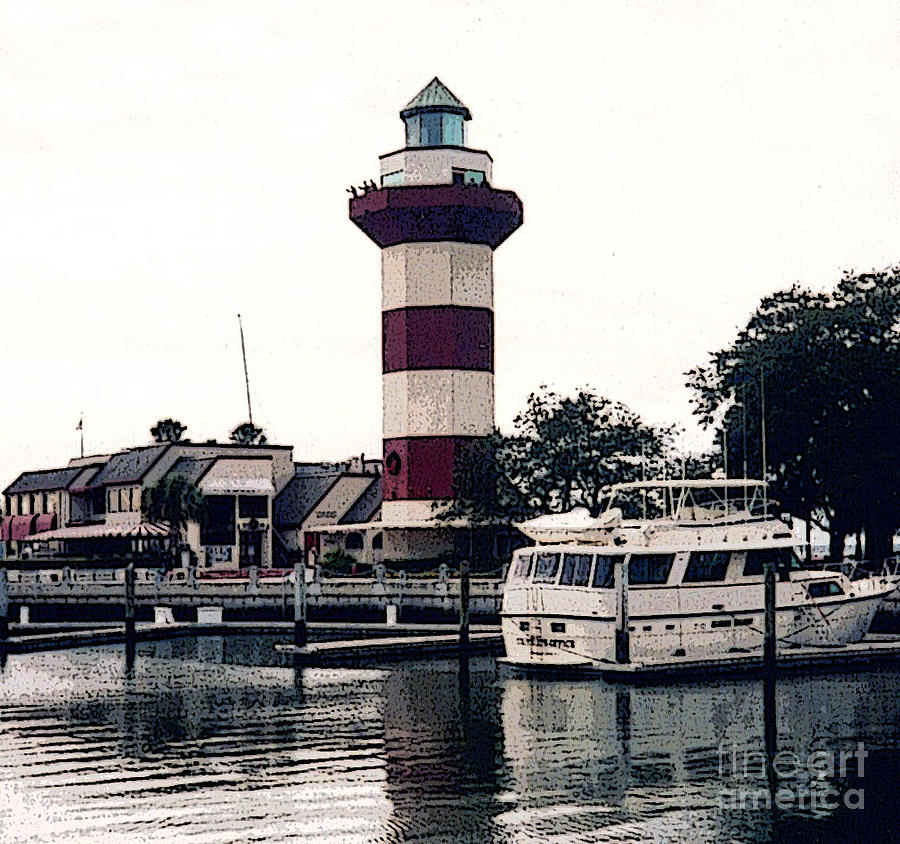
column 858, row 569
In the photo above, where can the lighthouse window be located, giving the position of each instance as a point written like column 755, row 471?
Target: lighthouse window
column 706, row 566
column 603, row 572
column 649, row 568
column 452, row 129
column 412, row 131
column 576, row 570
column 431, row 130
column 546, row 568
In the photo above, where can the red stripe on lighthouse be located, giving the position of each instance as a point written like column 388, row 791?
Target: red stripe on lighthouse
column 421, row 467
column 438, row 337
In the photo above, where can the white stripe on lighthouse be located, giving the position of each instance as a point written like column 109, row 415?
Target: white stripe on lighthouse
column 437, row 273
column 438, row 402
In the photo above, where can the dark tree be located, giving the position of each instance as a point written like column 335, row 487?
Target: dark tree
column 827, row 367
column 248, row 434
column 167, row 431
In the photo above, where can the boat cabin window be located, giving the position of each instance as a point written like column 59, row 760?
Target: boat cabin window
column 546, row 567
column 576, row 570
column 706, row 566
column 784, row 559
column 824, row 590
column 604, row 572
column 649, row 568
column 522, row 567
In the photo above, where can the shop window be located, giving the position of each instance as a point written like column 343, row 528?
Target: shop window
column 217, row 527
column 353, row 542
column 377, row 542
column 253, row 507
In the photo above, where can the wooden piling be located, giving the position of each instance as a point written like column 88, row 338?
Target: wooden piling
column 464, row 588
column 620, row 584
column 770, row 662
column 4, row 605
column 769, row 632
column 130, row 632
column 300, row 633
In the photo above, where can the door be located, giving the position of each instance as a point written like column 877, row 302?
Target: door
column 250, row 548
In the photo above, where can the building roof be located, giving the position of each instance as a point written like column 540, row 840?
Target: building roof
column 82, row 481
column 365, row 507
column 191, row 467
column 44, row 480
column 129, row 466
column 300, row 495
column 436, row 96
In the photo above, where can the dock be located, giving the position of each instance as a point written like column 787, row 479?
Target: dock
column 32, row 638
column 393, row 648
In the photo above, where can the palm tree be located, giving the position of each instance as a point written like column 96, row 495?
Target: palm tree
column 167, row 431
column 175, row 499
column 248, row 434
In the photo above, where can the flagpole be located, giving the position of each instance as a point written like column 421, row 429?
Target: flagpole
column 81, row 429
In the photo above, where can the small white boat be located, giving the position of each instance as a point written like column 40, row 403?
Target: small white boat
column 686, row 581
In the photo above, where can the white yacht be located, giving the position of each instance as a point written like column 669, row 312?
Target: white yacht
column 684, row 578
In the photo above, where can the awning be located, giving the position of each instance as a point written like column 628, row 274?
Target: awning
column 21, row 526
column 237, row 486
column 126, row 530
column 5, row 526
column 45, row 522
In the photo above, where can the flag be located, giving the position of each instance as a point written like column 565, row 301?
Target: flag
column 80, row 426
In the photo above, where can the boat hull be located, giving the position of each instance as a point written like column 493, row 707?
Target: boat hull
column 557, row 640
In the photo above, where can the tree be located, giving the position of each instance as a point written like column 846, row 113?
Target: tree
column 167, row 431
column 175, row 499
column 572, row 449
column 248, row 434
column 828, row 367
column 564, row 452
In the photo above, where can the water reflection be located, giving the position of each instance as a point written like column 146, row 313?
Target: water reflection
column 223, row 738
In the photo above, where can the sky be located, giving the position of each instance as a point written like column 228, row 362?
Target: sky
column 168, row 165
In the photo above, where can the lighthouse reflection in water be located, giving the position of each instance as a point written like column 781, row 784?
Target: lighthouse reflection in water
column 222, row 740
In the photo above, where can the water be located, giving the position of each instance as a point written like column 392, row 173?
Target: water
column 218, row 741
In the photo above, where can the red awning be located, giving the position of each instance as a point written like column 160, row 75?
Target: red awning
column 21, row 526
column 45, row 521
column 5, row 527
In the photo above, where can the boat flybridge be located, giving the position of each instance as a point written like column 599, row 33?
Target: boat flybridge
column 672, row 569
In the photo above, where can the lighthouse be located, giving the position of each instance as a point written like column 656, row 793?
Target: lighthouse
column 437, row 219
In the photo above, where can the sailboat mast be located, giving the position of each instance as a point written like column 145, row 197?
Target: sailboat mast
column 246, row 375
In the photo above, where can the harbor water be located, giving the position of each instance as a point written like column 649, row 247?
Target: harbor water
column 221, row 740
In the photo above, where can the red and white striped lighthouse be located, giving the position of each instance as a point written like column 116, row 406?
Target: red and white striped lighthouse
column 437, row 219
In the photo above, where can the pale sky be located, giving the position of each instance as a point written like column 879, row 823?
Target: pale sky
column 166, row 165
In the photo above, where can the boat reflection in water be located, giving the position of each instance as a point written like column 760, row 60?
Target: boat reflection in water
column 689, row 762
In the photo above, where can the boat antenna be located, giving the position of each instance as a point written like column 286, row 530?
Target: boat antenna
column 744, row 436
column 643, row 480
column 246, row 375
column 762, row 433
